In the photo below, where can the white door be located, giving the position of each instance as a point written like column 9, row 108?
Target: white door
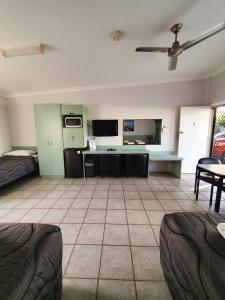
column 194, row 135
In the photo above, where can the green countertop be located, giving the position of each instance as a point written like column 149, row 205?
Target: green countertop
column 153, row 155
column 118, row 151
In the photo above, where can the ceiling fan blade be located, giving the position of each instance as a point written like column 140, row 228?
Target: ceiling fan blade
column 152, row 49
column 205, row 35
column 173, row 63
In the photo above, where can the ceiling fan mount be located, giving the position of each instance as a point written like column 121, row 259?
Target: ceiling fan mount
column 177, row 48
column 176, row 28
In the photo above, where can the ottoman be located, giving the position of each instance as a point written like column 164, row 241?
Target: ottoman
column 30, row 262
column 192, row 254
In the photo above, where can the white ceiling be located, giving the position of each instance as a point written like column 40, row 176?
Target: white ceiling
column 80, row 52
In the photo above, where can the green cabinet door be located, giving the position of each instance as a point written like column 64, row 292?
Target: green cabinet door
column 68, row 137
column 73, row 137
column 43, row 143
column 72, row 109
column 78, row 137
column 56, row 139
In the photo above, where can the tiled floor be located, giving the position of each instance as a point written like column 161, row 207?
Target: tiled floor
column 110, row 229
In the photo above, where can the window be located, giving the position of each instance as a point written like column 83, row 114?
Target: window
column 218, row 135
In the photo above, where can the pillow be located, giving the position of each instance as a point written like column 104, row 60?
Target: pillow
column 21, row 153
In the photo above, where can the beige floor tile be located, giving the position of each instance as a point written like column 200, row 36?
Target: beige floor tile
column 75, row 216
column 153, row 290
column 147, row 195
column 155, row 217
column 134, row 204
column 95, row 216
column 170, row 205
column 116, row 235
column 79, row 289
column 70, row 232
column 163, row 195
column 116, row 290
column 142, row 235
column 116, row 217
column 178, row 195
column 116, row 204
column 67, row 251
column 85, row 194
column 137, row 217
column 29, row 203
column 55, row 194
column 102, row 187
column 70, row 194
column 14, row 216
column 116, row 194
column 131, row 195
column 63, row 203
column 100, row 194
column 116, row 187
column 152, row 205
column 4, row 211
column 147, row 263
column 81, row 203
column 54, row 216
column 74, row 187
column 188, row 205
column 84, row 262
column 34, row 215
column 116, row 263
column 91, row 234
column 46, row 203
column 129, row 187
column 156, row 230
column 98, row 204
column 10, row 203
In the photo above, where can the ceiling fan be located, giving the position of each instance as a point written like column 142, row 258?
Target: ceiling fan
column 177, row 49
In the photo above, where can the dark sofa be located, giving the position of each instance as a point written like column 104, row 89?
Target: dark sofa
column 30, row 262
column 192, row 255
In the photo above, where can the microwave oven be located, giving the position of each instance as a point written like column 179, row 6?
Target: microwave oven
column 73, row 121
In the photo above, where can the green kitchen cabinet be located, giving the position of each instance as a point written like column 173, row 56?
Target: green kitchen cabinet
column 48, row 122
column 72, row 109
column 75, row 137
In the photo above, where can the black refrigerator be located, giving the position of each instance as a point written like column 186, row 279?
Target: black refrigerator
column 73, row 162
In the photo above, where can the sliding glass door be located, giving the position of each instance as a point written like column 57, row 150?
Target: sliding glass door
column 218, row 134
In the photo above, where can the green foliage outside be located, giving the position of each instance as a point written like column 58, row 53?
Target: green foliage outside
column 221, row 121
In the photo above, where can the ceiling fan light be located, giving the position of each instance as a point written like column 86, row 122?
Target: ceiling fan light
column 21, row 51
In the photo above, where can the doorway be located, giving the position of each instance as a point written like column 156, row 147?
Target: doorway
column 218, row 134
column 194, row 135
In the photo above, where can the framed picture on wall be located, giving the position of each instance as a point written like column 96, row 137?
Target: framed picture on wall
column 128, row 125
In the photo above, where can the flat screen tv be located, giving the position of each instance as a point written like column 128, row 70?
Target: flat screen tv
column 105, row 127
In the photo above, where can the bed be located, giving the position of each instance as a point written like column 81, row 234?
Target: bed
column 192, row 253
column 14, row 165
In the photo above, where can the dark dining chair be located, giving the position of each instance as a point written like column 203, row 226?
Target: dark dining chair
column 199, row 175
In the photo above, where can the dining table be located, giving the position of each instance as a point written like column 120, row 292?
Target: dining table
column 217, row 170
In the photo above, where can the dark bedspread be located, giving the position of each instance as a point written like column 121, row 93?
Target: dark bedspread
column 15, row 167
column 193, row 255
column 30, row 262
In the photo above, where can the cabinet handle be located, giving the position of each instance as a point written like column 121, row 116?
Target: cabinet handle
column 72, row 137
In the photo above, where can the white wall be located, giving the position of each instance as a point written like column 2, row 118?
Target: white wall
column 5, row 142
column 158, row 101
column 216, row 88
